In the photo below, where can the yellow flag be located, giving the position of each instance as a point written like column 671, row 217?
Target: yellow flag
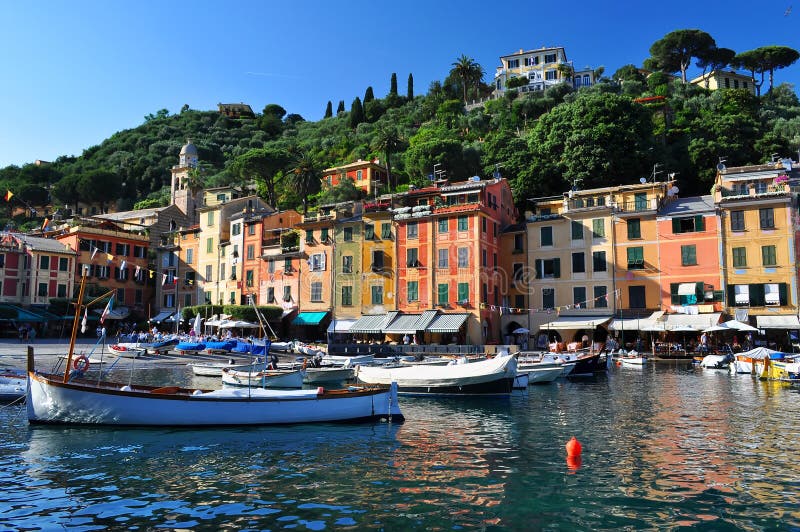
column 9, row 195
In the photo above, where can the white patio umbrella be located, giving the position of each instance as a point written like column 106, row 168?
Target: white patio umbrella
column 197, row 324
column 739, row 326
column 715, row 328
column 237, row 324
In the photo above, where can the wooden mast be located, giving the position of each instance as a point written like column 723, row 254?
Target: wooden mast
column 78, row 306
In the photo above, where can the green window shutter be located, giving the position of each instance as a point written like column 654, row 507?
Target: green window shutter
column 556, row 268
column 386, row 231
column 369, row 233
column 783, row 293
column 539, row 263
column 731, row 295
column 757, row 295
column 443, row 295
column 699, row 223
column 676, row 226
column 700, row 292
column 673, row 294
column 598, row 227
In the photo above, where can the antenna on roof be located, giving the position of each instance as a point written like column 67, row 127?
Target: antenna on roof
column 656, row 171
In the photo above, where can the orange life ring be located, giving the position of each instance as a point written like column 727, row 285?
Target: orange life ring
column 81, row 363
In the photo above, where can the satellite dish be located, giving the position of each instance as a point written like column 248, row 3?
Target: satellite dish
column 675, row 190
column 721, row 167
column 672, row 175
column 643, row 180
column 672, row 191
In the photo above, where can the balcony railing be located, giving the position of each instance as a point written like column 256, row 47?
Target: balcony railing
column 458, row 207
column 649, row 204
column 753, row 192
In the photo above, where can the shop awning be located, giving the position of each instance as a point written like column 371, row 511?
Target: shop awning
column 635, row 324
column 118, row 313
column 309, row 318
column 447, row 323
column 575, row 322
column 371, row 324
column 340, row 326
column 777, row 322
column 404, row 324
column 161, row 316
column 687, row 289
column 696, row 321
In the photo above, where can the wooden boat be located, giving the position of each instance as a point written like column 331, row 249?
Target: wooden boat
column 271, row 378
column 493, row 376
column 126, row 352
column 12, row 385
column 752, row 361
column 327, row 375
column 786, row 370
column 632, row 360
column 80, row 401
column 214, row 369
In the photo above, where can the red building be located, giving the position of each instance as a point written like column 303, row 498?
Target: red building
column 366, row 175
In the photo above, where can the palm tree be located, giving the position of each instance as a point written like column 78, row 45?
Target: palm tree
column 464, row 68
column 305, row 175
column 388, row 140
column 477, row 77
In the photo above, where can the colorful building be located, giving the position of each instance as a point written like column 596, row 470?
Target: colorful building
column 378, row 259
column 280, row 262
column 369, row 176
column 35, row 270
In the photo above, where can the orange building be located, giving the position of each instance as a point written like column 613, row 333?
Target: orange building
column 277, row 263
column 367, row 175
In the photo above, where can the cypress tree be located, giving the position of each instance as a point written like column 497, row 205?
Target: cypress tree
column 369, row 95
column 329, row 110
column 356, row 113
column 393, row 85
column 340, row 107
column 410, row 92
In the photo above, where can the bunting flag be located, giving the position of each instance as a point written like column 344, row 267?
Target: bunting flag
column 515, row 310
column 9, row 195
column 45, row 224
column 85, row 320
column 107, row 310
column 123, row 265
column 109, row 257
column 94, row 252
column 163, row 279
column 175, row 281
column 152, row 273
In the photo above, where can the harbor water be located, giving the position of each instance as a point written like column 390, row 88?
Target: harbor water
column 666, row 446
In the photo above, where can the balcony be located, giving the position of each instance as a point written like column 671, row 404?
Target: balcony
column 543, row 217
column 271, row 242
column 377, row 206
column 728, row 194
column 458, row 207
column 650, row 204
column 586, row 204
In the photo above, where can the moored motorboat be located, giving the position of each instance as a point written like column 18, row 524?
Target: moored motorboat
column 521, row 381
column 125, row 351
column 346, row 361
column 542, row 375
column 493, row 376
column 716, row 361
column 214, row 369
column 632, row 360
column 12, row 385
column 752, row 361
column 327, row 375
column 188, row 348
column 270, row 378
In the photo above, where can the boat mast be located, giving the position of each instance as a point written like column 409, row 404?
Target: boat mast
column 78, row 307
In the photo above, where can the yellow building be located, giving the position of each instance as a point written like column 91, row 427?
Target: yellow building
column 541, row 68
column 759, row 244
column 722, row 79
column 379, row 276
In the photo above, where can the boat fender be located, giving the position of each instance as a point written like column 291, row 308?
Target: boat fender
column 305, row 363
column 197, row 392
column 125, row 388
column 81, row 364
column 574, row 447
column 320, row 390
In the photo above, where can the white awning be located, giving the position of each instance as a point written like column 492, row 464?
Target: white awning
column 696, row 321
column 635, row 324
column 575, row 322
column 741, row 293
column 687, row 289
column 777, row 322
column 161, row 316
column 340, row 326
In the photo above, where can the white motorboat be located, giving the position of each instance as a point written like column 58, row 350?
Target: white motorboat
column 126, row 351
column 751, row 361
column 327, row 375
column 346, row 361
column 284, row 347
column 632, row 360
column 542, row 374
column 521, row 381
column 12, row 385
column 716, row 361
column 493, row 376
column 214, row 369
column 270, row 378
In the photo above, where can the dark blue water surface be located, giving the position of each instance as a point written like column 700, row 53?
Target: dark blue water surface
column 664, row 447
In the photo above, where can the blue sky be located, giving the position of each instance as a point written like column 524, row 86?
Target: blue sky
column 75, row 72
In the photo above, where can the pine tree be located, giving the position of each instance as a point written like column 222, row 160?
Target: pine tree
column 410, row 91
column 393, row 86
column 340, row 108
column 356, row 113
column 329, row 110
column 369, row 95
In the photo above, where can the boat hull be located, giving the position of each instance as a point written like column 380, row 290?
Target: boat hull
column 12, row 386
column 54, row 402
column 264, row 379
column 215, row 369
column 588, row 365
column 542, row 375
column 327, row 375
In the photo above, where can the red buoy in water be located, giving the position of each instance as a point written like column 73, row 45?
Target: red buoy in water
column 574, row 447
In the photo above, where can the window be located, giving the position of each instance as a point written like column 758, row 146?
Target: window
column 463, row 257
column 634, row 228
column 600, row 297
column 691, row 224
column 532, row 61
column 546, row 236
column 287, row 293
column 189, row 256
column 412, row 230
column 377, row 295
column 189, row 278
column 549, row 58
column 443, row 256
column 548, row 268
column 412, row 259
column 61, row 290
column 484, row 262
column 463, row 223
column 210, row 245
column 209, row 273
column 309, row 236
column 548, row 298
column 772, row 294
column 348, row 234
column 579, row 296
column 63, row 264
column 519, row 301
column 323, row 235
column 316, row 291
column 377, row 260
column 413, row 290
column 578, row 263
column 550, row 75
column 287, row 265
column 443, row 225
column 317, row 262
column 206, row 295
column 640, row 201
column 766, row 218
column 483, row 224
column 689, row 255
column 233, row 272
column 599, row 263
column 739, row 257
column 347, row 264
column 210, row 220
column 44, row 262
column 442, row 292
column 636, row 258
column 347, row 296
column 169, row 259
column 122, row 250
column 42, row 290
column 598, row 228
column 222, row 271
column 517, row 274
column 463, row 293
column 519, row 243
column 359, row 175
column 577, row 230
column 737, row 220
column 513, row 63
column 494, row 261
column 741, row 294
column 251, row 252
column 248, row 278
column 386, row 231
column 139, row 252
column 232, row 298
column 270, row 266
column 494, row 228
column 123, row 274
column 236, row 229
column 369, row 232
column 636, row 297
column 768, row 256
column 251, row 230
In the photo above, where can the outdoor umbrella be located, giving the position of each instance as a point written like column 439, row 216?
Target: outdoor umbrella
column 196, row 327
column 739, row 326
column 684, row 329
column 715, row 328
column 520, row 330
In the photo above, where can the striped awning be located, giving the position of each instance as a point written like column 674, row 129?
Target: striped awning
column 340, row 326
column 447, row 323
column 565, row 323
column 404, row 324
column 368, row 324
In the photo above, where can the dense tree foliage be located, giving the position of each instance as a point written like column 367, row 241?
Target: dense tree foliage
column 544, row 142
